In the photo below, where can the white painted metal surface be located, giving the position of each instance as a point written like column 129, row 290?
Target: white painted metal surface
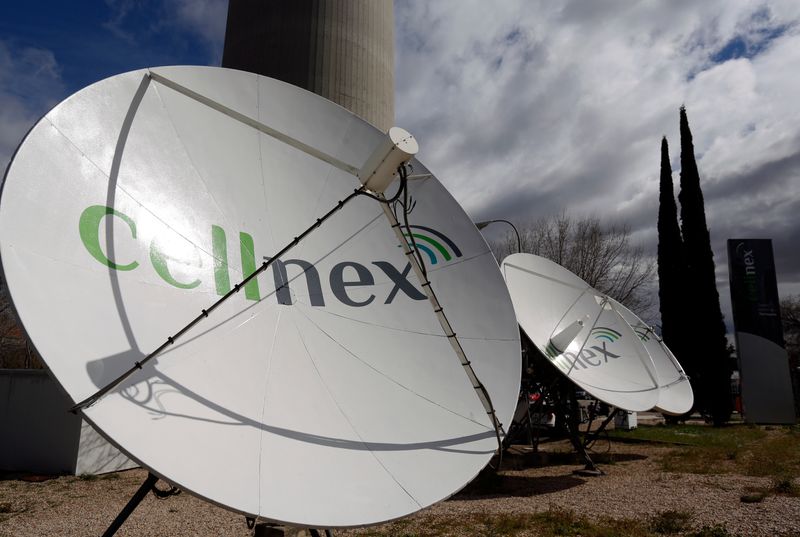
column 580, row 332
column 324, row 393
column 380, row 170
column 675, row 392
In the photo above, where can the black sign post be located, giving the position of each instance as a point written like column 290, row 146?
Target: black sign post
column 767, row 394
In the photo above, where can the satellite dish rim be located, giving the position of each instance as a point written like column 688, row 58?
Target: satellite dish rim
column 667, row 391
column 618, row 397
column 455, row 212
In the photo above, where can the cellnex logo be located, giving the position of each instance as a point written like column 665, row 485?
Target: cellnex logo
column 434, row 248
column 607, row 334
column 750, row 275
column 595, row 355
column 358, row 275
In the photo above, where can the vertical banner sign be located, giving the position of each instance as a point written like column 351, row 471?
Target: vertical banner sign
column 763, row 363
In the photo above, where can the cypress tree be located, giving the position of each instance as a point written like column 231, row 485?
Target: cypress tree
column 671, row 265
column 705, row 328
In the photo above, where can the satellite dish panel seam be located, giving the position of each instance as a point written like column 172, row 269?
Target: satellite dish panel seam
column 194, row 166
column 622, row 376
column 591, row 327
column 378, row 371
column 206, row 311
column 675, row 396
column 640, row 350
column 353, row 427
column 480, row 390
column 187, row 183
column 269, row 131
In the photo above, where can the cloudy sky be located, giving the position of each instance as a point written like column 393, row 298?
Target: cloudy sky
column 522, row 108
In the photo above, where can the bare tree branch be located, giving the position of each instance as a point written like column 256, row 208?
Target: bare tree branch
column 602, row 255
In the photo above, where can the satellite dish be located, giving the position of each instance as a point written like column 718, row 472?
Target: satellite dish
column 675, row 391
column 578, row 329
column 324, row 392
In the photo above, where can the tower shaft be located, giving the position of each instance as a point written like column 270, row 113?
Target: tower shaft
column 342, row 50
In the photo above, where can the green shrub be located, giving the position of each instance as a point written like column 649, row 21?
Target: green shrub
column 670, row 522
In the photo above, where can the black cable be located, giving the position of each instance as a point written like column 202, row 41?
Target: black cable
column 204, row 313
column 400, row 190
column 361, row 191
column 405, row 205
column 407, row 208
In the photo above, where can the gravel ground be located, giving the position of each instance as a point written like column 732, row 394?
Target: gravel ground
column 633, row 488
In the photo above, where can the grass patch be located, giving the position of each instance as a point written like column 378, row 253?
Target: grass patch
column 7, row 511
column 554, row 522
column 744, row 449
column 565, row 523
column 505, row 525
column 668, row 522
column 709, row 460
column 711, row 531
column 776, row 455
column 785, row 485
column 87, row 477
column 694, row 435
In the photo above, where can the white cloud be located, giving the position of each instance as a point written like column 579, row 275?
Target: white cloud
column 204, row 18
column 527, row 108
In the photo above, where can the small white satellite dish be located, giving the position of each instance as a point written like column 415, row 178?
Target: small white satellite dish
column 324, row 392
column 675, row 391
column 579, row 331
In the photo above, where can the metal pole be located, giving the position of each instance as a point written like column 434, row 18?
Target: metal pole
column 89, row 401
column 137, row 498
column 477, row 385
column 574, row 435
column 481, row 225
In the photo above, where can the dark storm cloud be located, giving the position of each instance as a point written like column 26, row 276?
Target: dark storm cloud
column 762, row 202
column 526, row 110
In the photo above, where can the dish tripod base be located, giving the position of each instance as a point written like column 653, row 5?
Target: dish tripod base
column 148, row 486
column 572, row 418
column 557, row 394
column 568, row 412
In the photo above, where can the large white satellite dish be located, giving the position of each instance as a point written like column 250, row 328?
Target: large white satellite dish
column 675, row 391
column 325, row 393
column 580, row 332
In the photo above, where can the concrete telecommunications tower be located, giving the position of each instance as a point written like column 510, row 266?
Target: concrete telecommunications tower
column 342, row 50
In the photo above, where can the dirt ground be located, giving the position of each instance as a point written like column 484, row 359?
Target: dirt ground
column 633, row 488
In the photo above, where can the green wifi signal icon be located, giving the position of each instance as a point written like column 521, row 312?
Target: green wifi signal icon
column 436, row 246
column 605, row 334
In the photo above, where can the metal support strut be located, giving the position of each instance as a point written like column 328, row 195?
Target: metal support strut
column 148, row 485
column 591, row 436
column 89, row 401
column 571, row 420
column 480, row 389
